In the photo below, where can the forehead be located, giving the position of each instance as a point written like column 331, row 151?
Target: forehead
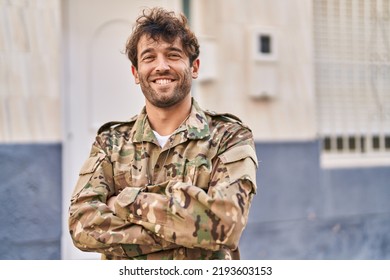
column 148, row 43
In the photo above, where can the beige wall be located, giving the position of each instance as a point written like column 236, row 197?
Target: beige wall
column 30, row 105
column 289, row 114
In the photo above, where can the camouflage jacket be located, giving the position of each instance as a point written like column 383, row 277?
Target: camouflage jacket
column 187, row 200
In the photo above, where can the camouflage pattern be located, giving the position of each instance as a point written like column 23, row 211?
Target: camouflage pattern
column 187, row 200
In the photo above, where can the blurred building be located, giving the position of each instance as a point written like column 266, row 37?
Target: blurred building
column 310, row 77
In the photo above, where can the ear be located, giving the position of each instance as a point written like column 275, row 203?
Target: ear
column 135, row 74
column 195, row 68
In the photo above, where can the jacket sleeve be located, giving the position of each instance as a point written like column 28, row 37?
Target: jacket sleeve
column 93, row 226
column 192, row 217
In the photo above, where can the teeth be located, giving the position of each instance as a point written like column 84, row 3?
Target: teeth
column 163, row 81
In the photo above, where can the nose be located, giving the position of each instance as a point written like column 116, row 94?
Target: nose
column 162, row 65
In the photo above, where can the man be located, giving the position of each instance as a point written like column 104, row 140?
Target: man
column 174, row 182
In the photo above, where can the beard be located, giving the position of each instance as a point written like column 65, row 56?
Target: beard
column 170, row 97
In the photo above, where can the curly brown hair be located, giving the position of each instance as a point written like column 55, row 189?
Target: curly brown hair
column 158, row 23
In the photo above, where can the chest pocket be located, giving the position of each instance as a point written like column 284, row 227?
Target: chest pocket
column 129, row 178
column 122, row 180
column 197, row 172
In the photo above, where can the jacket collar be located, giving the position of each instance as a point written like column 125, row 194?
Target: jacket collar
column 195, row 127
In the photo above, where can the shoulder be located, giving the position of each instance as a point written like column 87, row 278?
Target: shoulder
column 224, row 116
column 226, row 119
column 115, row 125
column 229, row 129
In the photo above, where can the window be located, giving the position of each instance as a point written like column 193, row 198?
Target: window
column 352, row 59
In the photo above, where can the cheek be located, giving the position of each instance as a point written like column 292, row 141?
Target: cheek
column 141, row 75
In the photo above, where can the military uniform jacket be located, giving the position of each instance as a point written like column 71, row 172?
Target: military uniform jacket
column 187, row 200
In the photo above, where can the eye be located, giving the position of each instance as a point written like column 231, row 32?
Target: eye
column 148, row 58
column 174, row 55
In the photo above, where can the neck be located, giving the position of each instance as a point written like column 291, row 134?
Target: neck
column 166, row 120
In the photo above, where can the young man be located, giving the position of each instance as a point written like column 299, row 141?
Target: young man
column 174, row 182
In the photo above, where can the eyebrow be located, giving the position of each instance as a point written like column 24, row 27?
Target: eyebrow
column 149, row 50
column 175, row 49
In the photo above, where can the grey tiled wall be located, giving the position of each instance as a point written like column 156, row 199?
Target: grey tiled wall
column 30, row 199
column 300, row 212
column 305, row 212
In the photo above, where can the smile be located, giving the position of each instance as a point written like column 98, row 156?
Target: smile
column 163, row 81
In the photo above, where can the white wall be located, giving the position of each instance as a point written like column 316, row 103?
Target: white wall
column 29, row 71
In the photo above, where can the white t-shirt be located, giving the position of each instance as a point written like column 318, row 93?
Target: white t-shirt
column 162, row 140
